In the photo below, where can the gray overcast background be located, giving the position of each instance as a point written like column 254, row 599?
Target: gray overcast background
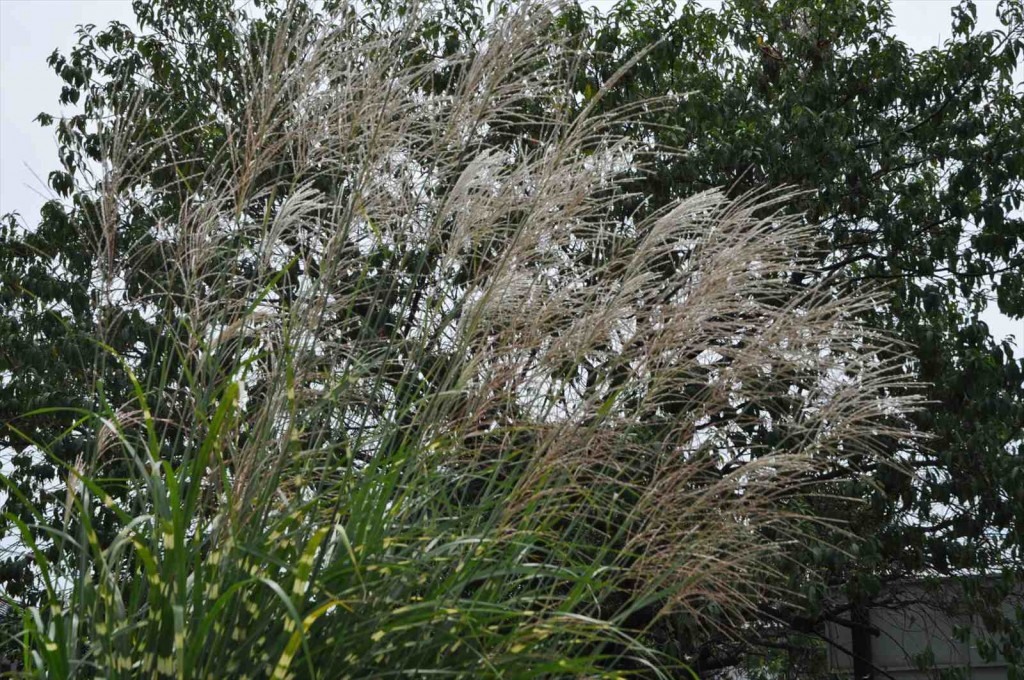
column 31, row 29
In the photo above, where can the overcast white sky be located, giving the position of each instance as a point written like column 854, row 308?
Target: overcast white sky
column 31, row 29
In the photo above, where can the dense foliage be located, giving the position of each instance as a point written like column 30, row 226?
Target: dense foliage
column 912, row 167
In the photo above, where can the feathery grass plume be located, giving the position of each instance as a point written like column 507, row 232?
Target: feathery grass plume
column 423, row 401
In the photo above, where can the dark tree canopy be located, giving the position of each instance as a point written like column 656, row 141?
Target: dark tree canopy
column 911, row 163
column 913, row 167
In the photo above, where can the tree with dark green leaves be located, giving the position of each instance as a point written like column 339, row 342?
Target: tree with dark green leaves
column 913, row 169
column 909, row 164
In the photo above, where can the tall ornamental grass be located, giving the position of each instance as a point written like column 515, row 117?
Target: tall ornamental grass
column 423, row 401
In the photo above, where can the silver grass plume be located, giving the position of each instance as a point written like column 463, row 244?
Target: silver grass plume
column 443, row 281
